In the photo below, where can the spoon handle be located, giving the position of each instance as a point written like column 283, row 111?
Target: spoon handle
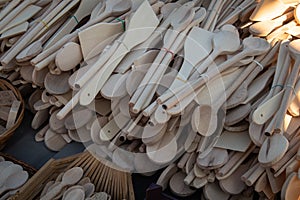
column 287, row 97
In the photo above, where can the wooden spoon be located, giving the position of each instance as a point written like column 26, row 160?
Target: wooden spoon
column 78, row 118
column 164, row 150
column 9, row 170
column 54, row 141
column 263, row 28
column 93, row 87
column 252, row 46
column 56, row 124
column 220, row 47
column 233, row 184
column 69, row 56
column 89, row 41
column 74, row 193
column 213, row 191
column 14, row 181
column 202, row 45
column 57, row 84
column 268, row 9
column 70, row 177
column 213, row 160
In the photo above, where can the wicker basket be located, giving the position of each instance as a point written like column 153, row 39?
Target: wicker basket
column 31, row 171
column 34, row 186
column 5, row 85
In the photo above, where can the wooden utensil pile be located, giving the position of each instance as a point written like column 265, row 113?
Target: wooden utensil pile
column 12, row 177
column 208, row 113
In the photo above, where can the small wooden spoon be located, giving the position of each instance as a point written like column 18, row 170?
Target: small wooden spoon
column 14, row 181
column 9, row 170
column 70, row 177
column 74, row 193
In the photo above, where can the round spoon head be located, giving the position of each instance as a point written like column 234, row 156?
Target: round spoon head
column 273, row 149
column 256, row 46
column 72, row 176
column 57, row 84
column 183, row 16
column 231, row 44
column 74, row 194
column 208, row 118
column 16, row 180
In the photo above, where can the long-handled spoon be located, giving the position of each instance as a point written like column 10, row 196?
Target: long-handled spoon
column 209, row 113
column 220, row 47
column 152, row 85
column 252, row 46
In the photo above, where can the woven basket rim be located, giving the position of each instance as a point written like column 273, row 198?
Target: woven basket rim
column 8, row 133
